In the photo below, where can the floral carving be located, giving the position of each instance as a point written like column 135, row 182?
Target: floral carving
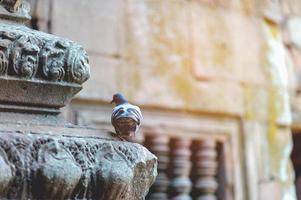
column 7, row 172
column 3, row 58
column 52, row 171
column 79, row 71
column 35, row 55
column 24, row 57
column 11, row 5
column 53, row 60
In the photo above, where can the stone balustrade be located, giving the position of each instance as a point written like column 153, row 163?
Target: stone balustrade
column 187, row 168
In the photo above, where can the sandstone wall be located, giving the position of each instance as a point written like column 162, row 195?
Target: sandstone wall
column 239, row 59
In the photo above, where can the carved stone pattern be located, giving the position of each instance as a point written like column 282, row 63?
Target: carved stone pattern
column 180, row 169
column 34, row 166
column 206, row 170
column 14, row 10
column 30, row 54
column 11, row 5
column 159, row 145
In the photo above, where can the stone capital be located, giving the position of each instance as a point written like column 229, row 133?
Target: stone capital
column 38, row 71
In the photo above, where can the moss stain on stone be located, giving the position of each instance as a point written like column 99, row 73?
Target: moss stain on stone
column 248, row 6
column 184, row 87
column 279, row 141
column 249, row 98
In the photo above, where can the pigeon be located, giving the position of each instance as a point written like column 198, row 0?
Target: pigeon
column 126, row 118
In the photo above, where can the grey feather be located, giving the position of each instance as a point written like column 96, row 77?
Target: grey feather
column 126, row 119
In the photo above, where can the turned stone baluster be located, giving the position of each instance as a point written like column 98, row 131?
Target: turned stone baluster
column 180, row 169
column 206, row 170
column 159, row 145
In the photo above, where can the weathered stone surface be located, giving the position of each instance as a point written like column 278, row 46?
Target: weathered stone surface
column 30, row 54
column 11, row 5
column 158, row 58
column 292, row 26
column 101, row 33
column 291, row 7
column 293, row 61
column 270, row 10
column 268, row 148
column 219, row 37
column 14, row 10
column 274, row 54
column 211, row 96
column 273, row 188
column 42, row 166
column 273, row 102
column 106, row 74
column 296, row 109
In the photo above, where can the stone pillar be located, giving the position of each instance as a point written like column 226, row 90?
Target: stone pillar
column 159, row 145
column 41, row 155
column 180, row 169
column 206, row 170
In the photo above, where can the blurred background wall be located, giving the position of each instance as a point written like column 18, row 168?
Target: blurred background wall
column 218, row 81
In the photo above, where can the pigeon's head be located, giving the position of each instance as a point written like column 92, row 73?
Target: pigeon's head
column 118, row 99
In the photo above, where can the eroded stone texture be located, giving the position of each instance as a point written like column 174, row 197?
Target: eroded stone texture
column 41, row 166
column 14, row 10
column 35, row 55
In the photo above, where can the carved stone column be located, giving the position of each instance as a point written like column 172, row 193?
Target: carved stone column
column 206, row 170
column 41, row 155
column 180, row 169
column 159, row 145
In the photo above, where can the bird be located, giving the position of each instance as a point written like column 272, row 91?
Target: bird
column 126, row 118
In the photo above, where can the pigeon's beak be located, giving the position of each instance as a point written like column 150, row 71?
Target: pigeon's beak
column 112, row 101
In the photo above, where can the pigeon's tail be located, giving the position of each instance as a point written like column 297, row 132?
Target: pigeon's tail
column 126, row 119
column 125, row 125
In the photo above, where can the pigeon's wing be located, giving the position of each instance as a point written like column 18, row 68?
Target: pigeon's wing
column 114, row 115
column 136, row 112
column 115, row 123
column 117, row 111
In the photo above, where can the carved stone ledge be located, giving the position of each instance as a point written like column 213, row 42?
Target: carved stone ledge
column 41, row 166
